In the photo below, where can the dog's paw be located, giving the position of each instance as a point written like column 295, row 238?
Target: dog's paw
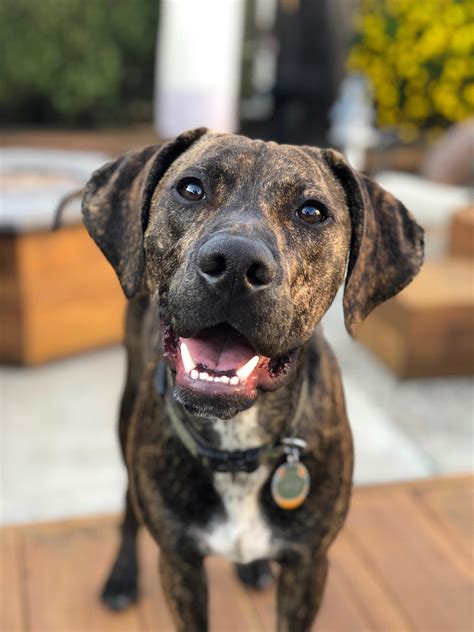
column 256, row 575
column 119, row 592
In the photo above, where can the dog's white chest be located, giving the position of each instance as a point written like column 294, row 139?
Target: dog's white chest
column 243, row 534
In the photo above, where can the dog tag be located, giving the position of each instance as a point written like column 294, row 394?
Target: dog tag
column 290, row 485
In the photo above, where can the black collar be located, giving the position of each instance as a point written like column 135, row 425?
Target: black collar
column 225, row 460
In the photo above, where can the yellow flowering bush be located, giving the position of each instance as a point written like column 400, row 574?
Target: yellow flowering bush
column 417, row 55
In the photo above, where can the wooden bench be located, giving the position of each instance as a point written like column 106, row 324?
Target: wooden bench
column 428, row 329
column 461, row 242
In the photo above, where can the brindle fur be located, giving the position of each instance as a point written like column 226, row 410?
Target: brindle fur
column 151, row 238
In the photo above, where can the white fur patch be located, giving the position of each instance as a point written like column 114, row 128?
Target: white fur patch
column 243, row 535
column 241, row 432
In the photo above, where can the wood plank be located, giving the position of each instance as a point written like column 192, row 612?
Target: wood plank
column 64, row 575
column 113, row 141
column 461, row 242
column 430, row 581
column 11, row 342
column 339, row 610
column 154, row 614
column 58, row 295
column 12, row 613
column 451, row 482
column 368, row 588
column 71, row 298
column 400, row 565
column 264, row 603
column 426, row 330
column 230, row 607
column 452, row 508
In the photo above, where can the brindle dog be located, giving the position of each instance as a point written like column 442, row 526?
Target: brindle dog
column 230, row 251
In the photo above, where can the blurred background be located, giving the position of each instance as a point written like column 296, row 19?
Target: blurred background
column 386, row 81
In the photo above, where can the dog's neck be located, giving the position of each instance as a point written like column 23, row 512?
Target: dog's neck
column 223, row 445
column 252, row 428
column 241, row 432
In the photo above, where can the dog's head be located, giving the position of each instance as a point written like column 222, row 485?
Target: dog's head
column 246, row 243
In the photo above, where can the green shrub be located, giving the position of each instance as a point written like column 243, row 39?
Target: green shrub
column 76, row 62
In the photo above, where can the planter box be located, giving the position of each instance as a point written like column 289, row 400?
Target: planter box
column 427, row 329
column 461, row 242
column 58, row 296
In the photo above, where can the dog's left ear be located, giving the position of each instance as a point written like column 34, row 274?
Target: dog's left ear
column 386, row 246
column 116, row 204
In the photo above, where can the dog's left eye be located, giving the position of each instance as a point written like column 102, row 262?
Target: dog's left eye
column 312, row 212
column 191, row 189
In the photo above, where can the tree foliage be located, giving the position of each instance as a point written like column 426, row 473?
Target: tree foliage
column 76, row 61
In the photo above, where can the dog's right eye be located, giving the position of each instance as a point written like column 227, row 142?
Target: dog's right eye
column 191, row 189
column 312, row 213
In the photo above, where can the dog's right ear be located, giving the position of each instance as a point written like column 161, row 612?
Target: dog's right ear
column 386, row 246
column 116, row 203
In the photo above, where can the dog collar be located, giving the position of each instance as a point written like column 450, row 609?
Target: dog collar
column 223, row 460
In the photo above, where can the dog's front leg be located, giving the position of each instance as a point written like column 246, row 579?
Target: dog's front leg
column 300, row 590
column 120, row 589
column 184, row 584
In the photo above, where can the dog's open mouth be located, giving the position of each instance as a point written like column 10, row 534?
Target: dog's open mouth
column 220, row 362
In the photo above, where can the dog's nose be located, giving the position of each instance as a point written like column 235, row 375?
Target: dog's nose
column 233, row 262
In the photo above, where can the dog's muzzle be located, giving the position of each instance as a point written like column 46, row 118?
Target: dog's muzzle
column 225, row 305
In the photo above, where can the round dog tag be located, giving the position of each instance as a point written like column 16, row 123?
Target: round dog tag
column 290, row 485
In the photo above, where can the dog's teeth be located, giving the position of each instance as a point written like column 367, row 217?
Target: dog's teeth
column 247, row 369
column 225, row 379
column 217, row 379
column 188, row 361
column 234, row 380
column 194, row 374
column 203, row 376
column 210, row 378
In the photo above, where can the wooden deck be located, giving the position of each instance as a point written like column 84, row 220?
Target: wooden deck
column 402, row 563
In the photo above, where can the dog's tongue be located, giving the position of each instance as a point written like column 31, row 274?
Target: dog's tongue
column 220, row 348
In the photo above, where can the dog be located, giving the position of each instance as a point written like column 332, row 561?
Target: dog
column 232, row 423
